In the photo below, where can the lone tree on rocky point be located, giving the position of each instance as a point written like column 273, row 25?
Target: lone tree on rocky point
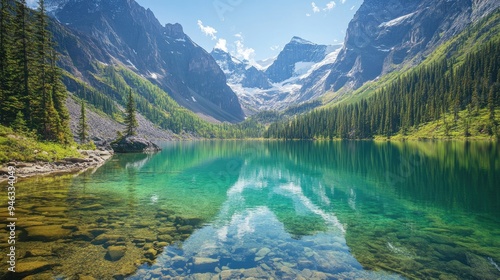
column 82, row 125
column 130, row 119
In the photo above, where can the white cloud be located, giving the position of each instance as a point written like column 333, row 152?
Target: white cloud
column 342, row 1
column 352, row 8
column 330, row 6
column 242, row 52
column 221, row 44
column 315, row 8
column 207, row 30
column 275, row 48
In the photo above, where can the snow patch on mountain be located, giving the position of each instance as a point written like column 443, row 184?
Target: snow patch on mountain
column 302, row 67
column 396, row 21
column 262, row 65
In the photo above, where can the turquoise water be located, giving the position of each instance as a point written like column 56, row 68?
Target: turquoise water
column 324, row 210
column 310, row 210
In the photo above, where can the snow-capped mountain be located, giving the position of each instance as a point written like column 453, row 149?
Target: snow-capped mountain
column 277, row 85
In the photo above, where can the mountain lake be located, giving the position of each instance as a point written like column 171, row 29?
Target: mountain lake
column 267, row 210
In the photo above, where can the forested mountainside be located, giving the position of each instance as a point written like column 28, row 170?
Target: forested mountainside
column 456, row 92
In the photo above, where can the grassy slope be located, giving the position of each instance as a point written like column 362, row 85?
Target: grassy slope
column 16, row 147
column 456, row 130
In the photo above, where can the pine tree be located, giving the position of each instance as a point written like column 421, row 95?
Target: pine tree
column 456, row 109
column 5, row 45
column 19, row 124
column 491, row 104
column 82, row 129
column 22, row 56
column 130, row 119
column 43, row 107
column 59, row 95
column 49, row 110
column 475, row 102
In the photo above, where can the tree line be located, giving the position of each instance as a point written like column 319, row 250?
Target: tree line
column 425, row 94
column 32, row 95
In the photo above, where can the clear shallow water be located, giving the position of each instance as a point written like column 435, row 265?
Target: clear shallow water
column 304, row 210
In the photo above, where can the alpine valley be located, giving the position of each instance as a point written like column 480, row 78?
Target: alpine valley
column 108, row 46
column 128, row 151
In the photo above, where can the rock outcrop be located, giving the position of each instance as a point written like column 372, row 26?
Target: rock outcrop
column 89, row 159
column 134, row 144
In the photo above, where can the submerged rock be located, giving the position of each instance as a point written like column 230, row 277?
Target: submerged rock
column 204, row 264
column 134, row 144
column 116, row 252
column 47, row 233
column 32, row 267
column 261, row 254
column 151, row 254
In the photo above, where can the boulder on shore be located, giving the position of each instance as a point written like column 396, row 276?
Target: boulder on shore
column 134, row 144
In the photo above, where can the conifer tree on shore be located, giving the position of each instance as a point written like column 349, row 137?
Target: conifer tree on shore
column 82, row 129
column 130, row 119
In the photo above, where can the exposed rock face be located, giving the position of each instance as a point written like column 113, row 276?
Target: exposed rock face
column 123, row 32
column 134, row 144
column 296, row 52
column 386, row 35
column 103, row 130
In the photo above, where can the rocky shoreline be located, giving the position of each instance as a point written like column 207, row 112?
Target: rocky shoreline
column 90, row 159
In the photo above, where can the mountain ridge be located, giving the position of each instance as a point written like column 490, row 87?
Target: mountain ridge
column 123, row 32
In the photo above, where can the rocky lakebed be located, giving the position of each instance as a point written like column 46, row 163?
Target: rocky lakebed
column 67, row 237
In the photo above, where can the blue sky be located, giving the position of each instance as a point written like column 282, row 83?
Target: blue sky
column 256, row 29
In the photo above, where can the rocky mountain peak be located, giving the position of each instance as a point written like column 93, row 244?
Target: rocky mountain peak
column 174, row 30
column 296, row 54
column 386, row 35
column 300, row 41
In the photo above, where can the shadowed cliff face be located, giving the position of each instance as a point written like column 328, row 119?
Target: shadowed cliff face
column 387, row 35
column 121, row 31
